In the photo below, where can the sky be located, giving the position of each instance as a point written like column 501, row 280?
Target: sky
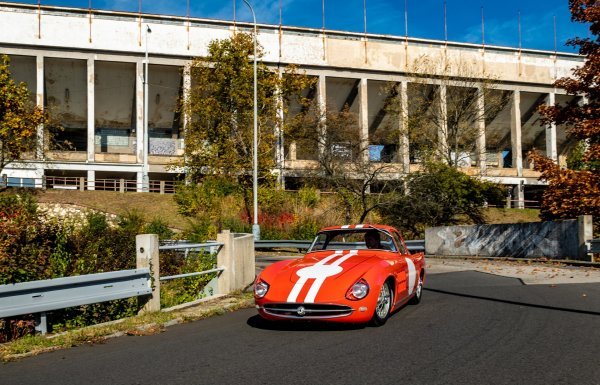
column 425, row 17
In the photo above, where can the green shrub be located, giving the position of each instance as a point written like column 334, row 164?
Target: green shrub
column 159, row 227
column 181, row 290
column 305, row 229
column 309, row 196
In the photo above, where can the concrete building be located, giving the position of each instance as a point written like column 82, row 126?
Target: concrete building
column 87, row 67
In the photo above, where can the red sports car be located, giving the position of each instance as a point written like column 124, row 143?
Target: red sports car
column 352, row 273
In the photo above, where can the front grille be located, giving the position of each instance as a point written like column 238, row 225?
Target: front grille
column 307, row 310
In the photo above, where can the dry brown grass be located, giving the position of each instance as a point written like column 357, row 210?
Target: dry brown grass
column 500, row 215
column 150, row 205
column 164, row 207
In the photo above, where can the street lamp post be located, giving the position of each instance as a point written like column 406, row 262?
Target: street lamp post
column 146, row 135
column 255, row 225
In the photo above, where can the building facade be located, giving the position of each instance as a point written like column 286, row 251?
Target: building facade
column 87, row 68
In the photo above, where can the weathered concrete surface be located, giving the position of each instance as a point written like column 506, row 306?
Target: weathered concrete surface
column 528, row 273
column 556, row 240
column 237, row 256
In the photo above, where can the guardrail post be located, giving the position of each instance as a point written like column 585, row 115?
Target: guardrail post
column 225, row 259
column 41, row 323
column 237, row 257
column 147, row 256
column 585, row 233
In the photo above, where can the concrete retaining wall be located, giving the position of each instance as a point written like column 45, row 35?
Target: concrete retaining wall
column 556, row 240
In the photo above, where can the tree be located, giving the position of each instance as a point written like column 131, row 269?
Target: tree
column 19, row 117
column 219, row 135
column 575, row 192
column 440, row 195
column 343, row 164
column 446, row 132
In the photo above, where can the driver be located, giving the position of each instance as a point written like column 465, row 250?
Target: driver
column 373, row 239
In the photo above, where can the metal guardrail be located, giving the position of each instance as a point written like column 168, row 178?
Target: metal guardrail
column 413, row 245
column 186, row 275
column 83, row 183
column 594, row 246
column 59, row 293
column 211, row 246
column 181, row 245
column 266, row 244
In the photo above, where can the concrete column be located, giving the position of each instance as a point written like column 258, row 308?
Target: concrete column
column 519, row 196
column 481, row 151
column 91, row 114
column 585, row 234
column 139, row 113
column 322, row 100
column 404, row 141
column 139, row 123
column 146, row 248
column 551, row 148
column 515, row 132
column 139, row 181
column 279, row 146
column 187, row 86
column 39, row 78
column 91, row 180
column 363, row 117
column 443, row 126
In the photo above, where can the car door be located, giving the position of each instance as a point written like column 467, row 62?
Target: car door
column 401, row 268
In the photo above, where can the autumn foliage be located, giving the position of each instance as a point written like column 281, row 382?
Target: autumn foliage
column 19, row 118
column 576, row 192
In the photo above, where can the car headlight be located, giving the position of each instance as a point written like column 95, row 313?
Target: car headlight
column 260, row 289
column 359, row 290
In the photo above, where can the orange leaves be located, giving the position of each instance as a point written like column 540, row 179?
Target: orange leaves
column 575, row 192
column 19, row 118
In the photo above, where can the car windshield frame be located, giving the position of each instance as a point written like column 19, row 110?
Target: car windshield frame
column 352, row 239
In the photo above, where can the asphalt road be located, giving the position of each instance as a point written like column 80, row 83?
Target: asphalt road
column 470, row 328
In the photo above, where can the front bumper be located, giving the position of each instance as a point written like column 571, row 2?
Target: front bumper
column 314, row 311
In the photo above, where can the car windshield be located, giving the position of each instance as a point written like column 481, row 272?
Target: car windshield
column 353, row 240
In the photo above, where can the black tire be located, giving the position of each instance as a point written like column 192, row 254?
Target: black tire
column 418, row 293
column 383, row 306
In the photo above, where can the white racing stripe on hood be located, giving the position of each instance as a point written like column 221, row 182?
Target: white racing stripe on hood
column 320, row 271
column 303, row 278
column 316, row 286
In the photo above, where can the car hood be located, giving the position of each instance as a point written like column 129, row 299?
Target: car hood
column 319, row 276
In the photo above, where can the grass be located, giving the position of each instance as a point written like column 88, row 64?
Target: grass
column 501, row 215
column 146, row 324
column 149, row 204
column 164, row 207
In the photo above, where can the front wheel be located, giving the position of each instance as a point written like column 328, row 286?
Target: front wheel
column 418, row 293
column 383, row 306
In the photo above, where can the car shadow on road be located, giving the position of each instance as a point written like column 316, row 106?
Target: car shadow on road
column 510, row 302
column 258, row 322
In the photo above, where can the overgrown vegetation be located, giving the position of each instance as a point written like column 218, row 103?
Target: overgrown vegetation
column 219, row 136
column 35, row 247
column 576, row 191
column 440, row 195
column 20, row 119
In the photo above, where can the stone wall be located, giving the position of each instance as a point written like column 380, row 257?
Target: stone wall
column 556, row 240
